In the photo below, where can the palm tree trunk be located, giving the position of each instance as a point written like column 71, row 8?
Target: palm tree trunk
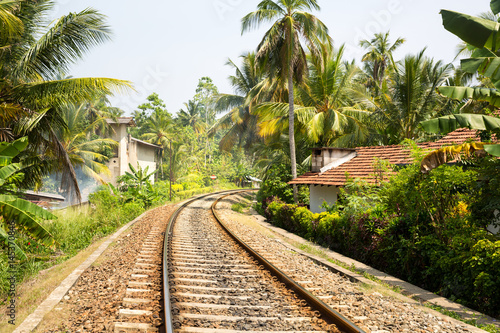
column 291, row 132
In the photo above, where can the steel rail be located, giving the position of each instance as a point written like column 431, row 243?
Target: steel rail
column 166, row 247
column 328, row 314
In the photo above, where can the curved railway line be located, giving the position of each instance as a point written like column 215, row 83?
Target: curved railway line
column 203, row 277
column 214, row 282
column 214, row 285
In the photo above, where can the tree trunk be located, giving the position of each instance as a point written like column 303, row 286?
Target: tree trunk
column 291, row 131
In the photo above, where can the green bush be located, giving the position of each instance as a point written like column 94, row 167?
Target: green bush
column 74, row 230
column 275, row 185
column 177, row 187
column 416, row 227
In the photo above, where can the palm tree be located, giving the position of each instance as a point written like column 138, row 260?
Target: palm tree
column 241, row 124
column 31, row 96
column 192, row 116
column 158, row 128
column 281, row 46
column 327, row 110
column 84, row 148
column 379, row 56
column 412, row 97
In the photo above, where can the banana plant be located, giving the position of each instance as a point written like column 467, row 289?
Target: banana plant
column 25, row 214
column 450, row 153
column 483, row 38
column 446, row 124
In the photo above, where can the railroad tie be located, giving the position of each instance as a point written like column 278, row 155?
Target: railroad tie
column 138, row 286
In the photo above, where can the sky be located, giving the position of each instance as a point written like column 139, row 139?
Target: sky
column 167, row 46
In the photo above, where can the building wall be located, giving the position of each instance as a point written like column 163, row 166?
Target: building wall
column 127, row 152
column 320, row 194
column 145, row 156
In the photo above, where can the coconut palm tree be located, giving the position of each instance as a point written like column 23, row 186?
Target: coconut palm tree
column 379, row 56
column 31, row 96
column 158, row 128
column 411, row 97
column 332, row 92
column 327, row 110
column 240, row 123
column 86, row 151
column 191, row 116
column 281, row 46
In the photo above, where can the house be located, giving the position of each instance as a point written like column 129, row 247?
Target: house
column 255, row 182
column 130, row 150
column 330, row 166
column 42, row 199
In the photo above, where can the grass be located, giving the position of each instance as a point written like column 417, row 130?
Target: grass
column 243, row 205
column 35, row 290
column 75, row 229
column 238, row 207
column 474, row 322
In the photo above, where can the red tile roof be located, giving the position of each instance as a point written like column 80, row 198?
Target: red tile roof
column 361, row 166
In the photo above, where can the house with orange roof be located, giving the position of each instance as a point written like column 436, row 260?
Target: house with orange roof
column 331, row 167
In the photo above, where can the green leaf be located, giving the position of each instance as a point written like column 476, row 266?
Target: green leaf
column 7, row 171
column 488, row 67
column 4, row 238
column 491, row 96
column 495, row 6
column 472, row 30
column 493, row 150
column 23, row 212
column 450, row 123
column 482, row 53
column 9, row 150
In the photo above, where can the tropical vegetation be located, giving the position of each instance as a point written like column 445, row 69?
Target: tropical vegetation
column 293, row 91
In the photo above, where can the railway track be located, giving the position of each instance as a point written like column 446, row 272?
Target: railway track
column 215, row 283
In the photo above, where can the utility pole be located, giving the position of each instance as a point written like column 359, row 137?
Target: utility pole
column 170, row 140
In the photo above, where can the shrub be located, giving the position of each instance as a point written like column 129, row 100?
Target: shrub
column 275, row 185
column 416, row 227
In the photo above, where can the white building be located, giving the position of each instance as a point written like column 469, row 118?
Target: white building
column 330, row 166
column 130, row 150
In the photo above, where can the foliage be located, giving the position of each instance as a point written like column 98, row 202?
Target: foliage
column 485, row 209
column 410, row 97
column 481, row 36
column 418, row 227
column 487, row 124
column 240, row 122
column 379, row 58
column 275, row 185
column 33, row 91
column 281, row 49
column 25, row 215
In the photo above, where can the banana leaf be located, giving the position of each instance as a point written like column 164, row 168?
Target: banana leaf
column 495, row 6
column 23, row 213
column 448, row 154
column 493, row 150
column 475, row 31
column 9, row 150
column 450, row 123
column 4, row 238
column 489, row 67
column 491, row 96
column 7, row 171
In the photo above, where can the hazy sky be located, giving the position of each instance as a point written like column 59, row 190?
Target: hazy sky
column 166, row 46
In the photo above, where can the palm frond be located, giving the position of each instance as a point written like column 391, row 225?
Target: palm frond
column 66, row 41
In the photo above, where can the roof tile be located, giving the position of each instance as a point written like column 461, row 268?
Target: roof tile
column 362, row 166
